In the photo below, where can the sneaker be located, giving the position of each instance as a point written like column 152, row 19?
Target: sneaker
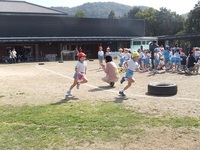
column 122, row 80
column 122, row 93
column 78, row 85
column 112, row 84
column 69, row 93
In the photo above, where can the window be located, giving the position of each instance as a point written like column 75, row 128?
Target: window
column 136, row 42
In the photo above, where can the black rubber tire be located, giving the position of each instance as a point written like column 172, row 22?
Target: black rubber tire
column 41, row 63
column 162, row 89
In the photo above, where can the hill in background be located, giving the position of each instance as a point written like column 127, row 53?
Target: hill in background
column 98, row 9
column 101, row 9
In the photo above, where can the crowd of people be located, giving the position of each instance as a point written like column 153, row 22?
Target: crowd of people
column 155, row 58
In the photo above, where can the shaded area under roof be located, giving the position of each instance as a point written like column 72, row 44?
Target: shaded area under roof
column 61, row 39
column 25, row 7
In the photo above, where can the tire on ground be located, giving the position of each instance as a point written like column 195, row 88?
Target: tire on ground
column 164, row 89
column 41, row 63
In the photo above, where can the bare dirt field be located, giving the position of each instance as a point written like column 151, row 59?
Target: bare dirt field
column 33, row 84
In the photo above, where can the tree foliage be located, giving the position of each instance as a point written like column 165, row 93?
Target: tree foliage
column 80, row 14
column 192, row 24
column 162, row 22
column 112, row 15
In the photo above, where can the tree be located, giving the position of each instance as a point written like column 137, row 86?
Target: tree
column 132, row 14
column 112, row 15
column 192, row 24
column 79, row 14
column 169, row 23
column 150, row 17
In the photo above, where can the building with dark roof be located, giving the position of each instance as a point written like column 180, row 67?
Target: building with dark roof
column 36, row 31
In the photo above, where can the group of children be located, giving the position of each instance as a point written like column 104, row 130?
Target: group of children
column 110, row 68
column 164, row 58
column 169, row 59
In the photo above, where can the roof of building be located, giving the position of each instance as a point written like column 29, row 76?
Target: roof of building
column 26, row 8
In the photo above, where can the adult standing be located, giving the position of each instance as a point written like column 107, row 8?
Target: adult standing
column 152, row 47
column 14, row 55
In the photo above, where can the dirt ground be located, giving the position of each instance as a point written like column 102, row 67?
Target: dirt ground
column 33, row 84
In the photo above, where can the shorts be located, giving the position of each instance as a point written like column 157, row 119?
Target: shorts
column 140, row 60
column 156, row 62
column 121, row 62
column 129, row 73
column 76, row 74
column 166, row 59
column 146, row 60
column 173, row 59
column 178, row 59
column 101, row 58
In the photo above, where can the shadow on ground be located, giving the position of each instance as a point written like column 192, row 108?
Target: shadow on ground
column 161, row 96
column 120, row 99
column 101, row 88
column 66, row 100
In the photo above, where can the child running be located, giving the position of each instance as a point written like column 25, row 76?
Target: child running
column 80, row 73
column 131, row 66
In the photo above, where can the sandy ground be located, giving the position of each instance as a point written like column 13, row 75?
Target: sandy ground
column 33, row 84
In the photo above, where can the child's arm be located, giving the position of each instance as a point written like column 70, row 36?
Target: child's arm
column 85, row 69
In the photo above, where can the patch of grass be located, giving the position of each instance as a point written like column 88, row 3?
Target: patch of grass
column 1, row 96
column 33, row 127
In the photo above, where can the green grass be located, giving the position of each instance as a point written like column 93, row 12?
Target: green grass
column 33, row 127
column 1, row 96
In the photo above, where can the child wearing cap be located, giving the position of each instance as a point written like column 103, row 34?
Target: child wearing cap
column 131, row 66
column 80, row 72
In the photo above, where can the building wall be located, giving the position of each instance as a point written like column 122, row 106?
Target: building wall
column 62, row 26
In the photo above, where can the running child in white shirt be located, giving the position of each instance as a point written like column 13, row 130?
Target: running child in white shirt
column 131, row 66
column 80, row 73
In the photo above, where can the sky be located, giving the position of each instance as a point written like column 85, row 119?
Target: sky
column 178, row 6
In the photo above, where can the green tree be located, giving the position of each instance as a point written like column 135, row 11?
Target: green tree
column 169, row 23
column 112, row 15
column 132, row 14
column 192, row 24
column 79, row 14
column 150, row 17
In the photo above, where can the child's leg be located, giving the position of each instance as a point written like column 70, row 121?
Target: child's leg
column 85, row 80
column 130, row 81
column 73, row 85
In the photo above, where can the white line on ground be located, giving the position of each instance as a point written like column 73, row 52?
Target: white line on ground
column 116, row 92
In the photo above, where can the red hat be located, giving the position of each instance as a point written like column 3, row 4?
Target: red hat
column 81, row 55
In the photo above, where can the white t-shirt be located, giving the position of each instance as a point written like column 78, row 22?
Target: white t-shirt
column 81, row 66
column 100, row 53
column 176, row 54
column 108, row 53
column 127, row 56
column 141, row 55
column 132, row 65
